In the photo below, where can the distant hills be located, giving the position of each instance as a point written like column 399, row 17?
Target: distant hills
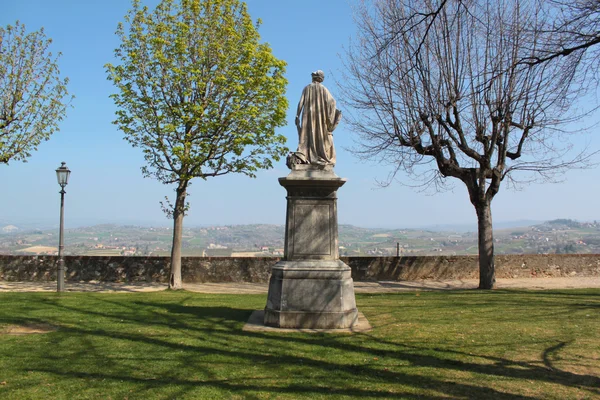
column 473, row 227
column 47, row 225
column 519, row 237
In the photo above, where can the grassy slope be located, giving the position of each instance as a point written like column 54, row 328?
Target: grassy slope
column 471, row 344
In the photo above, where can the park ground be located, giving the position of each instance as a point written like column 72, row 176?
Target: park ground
column 359, row 287
column 117, row 341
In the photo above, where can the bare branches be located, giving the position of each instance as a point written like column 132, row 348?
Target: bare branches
column 442, row 85
column 550, row 55
column 572, row 30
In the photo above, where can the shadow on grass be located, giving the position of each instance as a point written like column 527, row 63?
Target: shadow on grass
column 307, row 390
column 206, row 345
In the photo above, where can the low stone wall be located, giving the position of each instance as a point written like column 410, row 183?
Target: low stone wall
column 250, row 269
column 136, row 269
column 466, row 267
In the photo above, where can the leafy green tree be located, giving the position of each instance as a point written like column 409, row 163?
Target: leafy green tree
column 199, row 94
column 33, row 96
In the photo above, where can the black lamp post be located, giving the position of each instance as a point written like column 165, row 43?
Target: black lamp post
column 62, row 175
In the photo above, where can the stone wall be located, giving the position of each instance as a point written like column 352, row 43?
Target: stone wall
column 466, row 267
column 249, row 269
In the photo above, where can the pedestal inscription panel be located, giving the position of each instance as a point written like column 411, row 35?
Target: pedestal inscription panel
column 311, row 229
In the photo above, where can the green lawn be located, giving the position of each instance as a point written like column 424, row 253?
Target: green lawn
column 177, row 345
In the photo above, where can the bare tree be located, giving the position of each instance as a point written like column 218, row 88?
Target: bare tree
column 438, row 91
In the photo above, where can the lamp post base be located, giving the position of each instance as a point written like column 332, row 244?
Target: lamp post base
column 60, row 279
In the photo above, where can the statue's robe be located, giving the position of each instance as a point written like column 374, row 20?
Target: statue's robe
column 319, row 119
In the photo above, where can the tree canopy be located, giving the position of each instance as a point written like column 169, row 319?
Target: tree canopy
column 198, row 92
column 33, row 96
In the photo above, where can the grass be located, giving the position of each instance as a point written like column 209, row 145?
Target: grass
column 178, row 345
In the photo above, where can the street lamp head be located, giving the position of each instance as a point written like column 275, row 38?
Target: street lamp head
column 62, row 174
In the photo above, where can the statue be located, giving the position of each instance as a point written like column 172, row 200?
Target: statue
column 311, row 287
column 316, row 120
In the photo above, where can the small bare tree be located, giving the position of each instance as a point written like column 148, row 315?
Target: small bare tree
column 438, row 90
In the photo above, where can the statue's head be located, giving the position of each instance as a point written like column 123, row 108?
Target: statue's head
column 318, row 76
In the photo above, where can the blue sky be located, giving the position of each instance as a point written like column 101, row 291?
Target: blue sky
column 106, row 183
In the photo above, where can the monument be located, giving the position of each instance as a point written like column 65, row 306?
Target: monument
column 311, row 287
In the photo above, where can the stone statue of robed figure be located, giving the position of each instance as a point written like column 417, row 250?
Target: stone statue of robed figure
column 311, row 287
column 316, row 119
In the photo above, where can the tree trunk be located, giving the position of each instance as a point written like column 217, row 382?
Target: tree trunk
column 487, row 273
column 175, row 281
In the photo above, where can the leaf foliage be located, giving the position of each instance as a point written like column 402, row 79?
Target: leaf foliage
column 33, row 96
column 197, row 91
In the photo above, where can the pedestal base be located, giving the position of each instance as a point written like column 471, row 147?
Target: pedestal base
column 315, row 294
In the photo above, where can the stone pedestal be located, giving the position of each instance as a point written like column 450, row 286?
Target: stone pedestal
column 311, row 287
